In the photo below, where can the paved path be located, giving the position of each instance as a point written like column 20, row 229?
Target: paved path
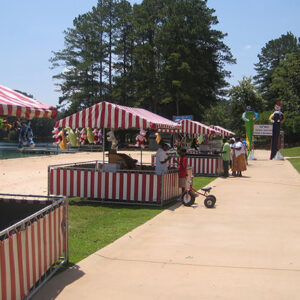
column 248, row 247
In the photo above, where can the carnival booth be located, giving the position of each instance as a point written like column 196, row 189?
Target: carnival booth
column 121, row 179
column 222, row 131
column 204, row 156
column 14, row 104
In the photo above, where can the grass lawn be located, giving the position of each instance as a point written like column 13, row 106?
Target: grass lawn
column 291, row 152
column 92, row 226
column 296, row 163
column 199, row 182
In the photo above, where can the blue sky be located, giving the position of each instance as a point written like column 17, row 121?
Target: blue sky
column 30, row 30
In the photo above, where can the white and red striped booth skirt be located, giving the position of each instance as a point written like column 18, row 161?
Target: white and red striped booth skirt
column 129, row 186
column 29, row 249
column 211, row 166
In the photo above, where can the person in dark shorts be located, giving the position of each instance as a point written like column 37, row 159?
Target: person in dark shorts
column 182, row 166
column 226, row 157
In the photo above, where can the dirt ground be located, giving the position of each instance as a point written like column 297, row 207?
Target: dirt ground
column 30, row 175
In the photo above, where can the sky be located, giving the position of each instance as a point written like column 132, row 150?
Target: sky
column 31, row 30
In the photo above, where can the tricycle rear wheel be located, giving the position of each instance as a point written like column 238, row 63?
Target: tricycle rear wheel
column 188, row 198
column 210, row 201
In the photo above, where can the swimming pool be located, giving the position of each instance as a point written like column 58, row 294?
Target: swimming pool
column 9, row 150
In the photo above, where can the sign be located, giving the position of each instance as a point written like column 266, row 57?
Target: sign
column 179, row 118
column 263, row 130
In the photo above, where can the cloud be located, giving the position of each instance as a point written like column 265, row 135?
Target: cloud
column 247, row 47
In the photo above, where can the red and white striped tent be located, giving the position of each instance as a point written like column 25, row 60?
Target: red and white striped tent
column 113, row 116
column 223, row 131
column 192, row 127
column 15, row 104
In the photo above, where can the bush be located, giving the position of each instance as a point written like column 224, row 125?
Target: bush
column 291, row 129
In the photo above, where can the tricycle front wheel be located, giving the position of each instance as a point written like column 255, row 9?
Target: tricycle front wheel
column 188, row 198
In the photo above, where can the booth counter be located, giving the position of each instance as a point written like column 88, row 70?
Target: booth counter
column 107, row 183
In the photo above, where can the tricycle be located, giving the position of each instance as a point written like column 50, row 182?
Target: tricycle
column 189, row 195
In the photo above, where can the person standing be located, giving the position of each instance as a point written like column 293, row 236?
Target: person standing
column 226, row 157
column 240, row 164
column 162, row 159
column 232, row 155
column 182, row 172
column 246, row 148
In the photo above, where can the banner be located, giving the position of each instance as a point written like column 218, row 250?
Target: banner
column 179, row 118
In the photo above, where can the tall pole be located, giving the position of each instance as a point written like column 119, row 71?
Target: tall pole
column 103, row 145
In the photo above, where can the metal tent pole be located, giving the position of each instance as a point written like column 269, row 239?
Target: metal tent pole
column 103, row 145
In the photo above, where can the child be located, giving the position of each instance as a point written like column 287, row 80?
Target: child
column 182, row 166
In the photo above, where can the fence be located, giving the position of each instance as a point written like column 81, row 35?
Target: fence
column 34, row 248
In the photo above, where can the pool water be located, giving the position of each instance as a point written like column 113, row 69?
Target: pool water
column 9, row 150
column 4, row 154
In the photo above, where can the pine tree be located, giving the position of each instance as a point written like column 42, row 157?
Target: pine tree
column 271, row 55
column 78, row 80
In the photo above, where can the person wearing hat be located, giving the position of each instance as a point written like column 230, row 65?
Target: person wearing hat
column 162, row 159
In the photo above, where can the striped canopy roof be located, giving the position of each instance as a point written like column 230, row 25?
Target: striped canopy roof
column 193, row 127
column 222, row 131
column 109, row 115
column 15, row 104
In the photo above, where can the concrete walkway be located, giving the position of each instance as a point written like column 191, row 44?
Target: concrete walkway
column 248, row 247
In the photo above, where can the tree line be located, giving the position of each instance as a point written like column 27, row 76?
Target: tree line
column 167, row 56
column 162, row 55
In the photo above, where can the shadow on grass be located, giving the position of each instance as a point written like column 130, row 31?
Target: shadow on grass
column 118, row 205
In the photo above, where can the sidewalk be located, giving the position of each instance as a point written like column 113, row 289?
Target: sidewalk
column 248, row 247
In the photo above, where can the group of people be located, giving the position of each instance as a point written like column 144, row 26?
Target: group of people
column 234, row 155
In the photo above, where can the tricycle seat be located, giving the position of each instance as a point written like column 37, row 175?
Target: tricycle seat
column 206, row 189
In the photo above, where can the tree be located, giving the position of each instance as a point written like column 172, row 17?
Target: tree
column 123, row 91
column 218, row 114
column 242, row 95
column 146, row 57
column 162, row 55
column 270, row 57
column 194, row 54
column 286, row 84
column 78, row 81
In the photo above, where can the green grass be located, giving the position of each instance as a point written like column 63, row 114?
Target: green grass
column 199, row 182
column 291, row 152
column 92, row 226
column 296, row 163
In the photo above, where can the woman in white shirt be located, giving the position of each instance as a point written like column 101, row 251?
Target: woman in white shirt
column 239, row 164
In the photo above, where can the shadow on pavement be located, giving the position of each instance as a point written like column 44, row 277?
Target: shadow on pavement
column 56, row 284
